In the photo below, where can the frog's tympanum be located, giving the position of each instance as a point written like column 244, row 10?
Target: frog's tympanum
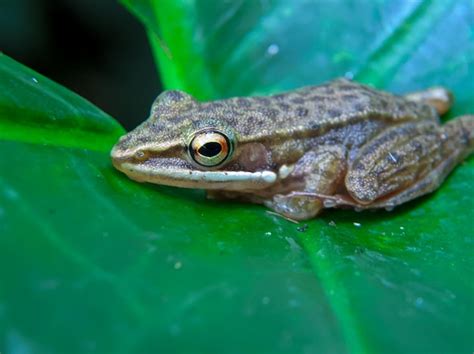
column 334, row 145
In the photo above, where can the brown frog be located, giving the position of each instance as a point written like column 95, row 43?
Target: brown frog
column 337, row 144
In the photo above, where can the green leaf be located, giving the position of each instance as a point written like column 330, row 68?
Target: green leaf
column 36, row 110
column 93, row 262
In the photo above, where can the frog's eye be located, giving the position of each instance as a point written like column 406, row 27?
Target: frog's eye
column 210, row 148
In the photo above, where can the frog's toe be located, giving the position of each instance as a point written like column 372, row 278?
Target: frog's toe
column 438, row 97
column 295, row 207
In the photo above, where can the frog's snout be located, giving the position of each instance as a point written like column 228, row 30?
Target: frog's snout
column 120, row 153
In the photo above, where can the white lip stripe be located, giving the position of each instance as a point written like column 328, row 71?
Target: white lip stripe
column 264, row 177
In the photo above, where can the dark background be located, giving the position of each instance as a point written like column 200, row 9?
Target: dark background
column 93, row 47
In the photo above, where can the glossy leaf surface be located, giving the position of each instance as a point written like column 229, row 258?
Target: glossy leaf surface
column 93, row 262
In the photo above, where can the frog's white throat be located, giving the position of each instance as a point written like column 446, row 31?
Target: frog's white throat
column 220, row 180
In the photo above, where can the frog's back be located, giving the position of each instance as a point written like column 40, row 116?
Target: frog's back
column 312, row 108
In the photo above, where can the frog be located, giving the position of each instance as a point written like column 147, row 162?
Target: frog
column 340, row 144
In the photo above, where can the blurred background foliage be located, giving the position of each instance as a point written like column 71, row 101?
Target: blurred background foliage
column 95, row 48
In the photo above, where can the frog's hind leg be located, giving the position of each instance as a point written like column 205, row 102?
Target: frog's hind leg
column 408, row 161
column 438, row 97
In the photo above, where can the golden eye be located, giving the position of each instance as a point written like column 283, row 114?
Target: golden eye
column 210, row 148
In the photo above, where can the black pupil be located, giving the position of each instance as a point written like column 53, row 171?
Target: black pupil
column 210, row 149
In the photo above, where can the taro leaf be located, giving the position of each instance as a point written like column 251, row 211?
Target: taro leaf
column 93, row 262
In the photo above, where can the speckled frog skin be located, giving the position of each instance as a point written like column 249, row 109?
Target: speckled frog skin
column 333, row 145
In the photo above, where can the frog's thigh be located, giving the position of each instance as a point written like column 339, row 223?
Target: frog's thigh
column 318, row 171
column 408, row 161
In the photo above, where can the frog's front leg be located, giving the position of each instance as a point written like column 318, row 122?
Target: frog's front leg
column 408, row 161
column 318, row 171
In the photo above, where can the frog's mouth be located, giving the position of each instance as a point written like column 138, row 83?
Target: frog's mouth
column 177, row 173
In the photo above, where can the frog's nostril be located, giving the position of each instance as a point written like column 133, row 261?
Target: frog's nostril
column 140, row 155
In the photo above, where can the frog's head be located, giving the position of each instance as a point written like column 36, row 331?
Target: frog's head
column 188, row 144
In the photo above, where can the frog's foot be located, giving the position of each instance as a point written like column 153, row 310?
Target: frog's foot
column 408, row 161
column 330, row 201
column 438, row 97
column 306, row 205
column 295, row 207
